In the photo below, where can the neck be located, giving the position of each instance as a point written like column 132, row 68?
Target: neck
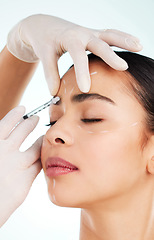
column 125, row 217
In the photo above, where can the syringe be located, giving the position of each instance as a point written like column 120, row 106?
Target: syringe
column 54, row 100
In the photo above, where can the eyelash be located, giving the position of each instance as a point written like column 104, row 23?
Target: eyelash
column 85, row 120
column 50, row 124
column 91, row 120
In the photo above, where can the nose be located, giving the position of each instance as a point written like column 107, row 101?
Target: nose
column 60, row 135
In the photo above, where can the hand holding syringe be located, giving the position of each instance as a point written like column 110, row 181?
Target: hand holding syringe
column 20, row 168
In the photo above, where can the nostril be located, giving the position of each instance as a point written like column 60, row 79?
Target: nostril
column 59, row 140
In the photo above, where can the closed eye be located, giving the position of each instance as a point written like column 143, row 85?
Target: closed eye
column 85, row 120
column 91, row 120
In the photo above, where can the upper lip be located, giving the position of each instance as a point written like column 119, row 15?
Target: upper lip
column 59, row 162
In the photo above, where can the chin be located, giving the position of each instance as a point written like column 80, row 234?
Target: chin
column 70, row 201
column 64, row 200
column 64, row 193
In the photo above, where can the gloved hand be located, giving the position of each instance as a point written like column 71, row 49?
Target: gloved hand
column 17, row 169
column 46, row 38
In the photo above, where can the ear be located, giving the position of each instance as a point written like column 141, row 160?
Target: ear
column 150, row 165
column 150, row 155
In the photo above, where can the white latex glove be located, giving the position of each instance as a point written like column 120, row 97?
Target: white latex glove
column 17, row 169
column 46, row 38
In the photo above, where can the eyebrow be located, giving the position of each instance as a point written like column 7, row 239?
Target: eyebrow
column 90, row 96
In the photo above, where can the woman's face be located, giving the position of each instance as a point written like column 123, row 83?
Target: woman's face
column 93, row 151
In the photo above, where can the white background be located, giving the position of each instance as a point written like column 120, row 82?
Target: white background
column 37, row 218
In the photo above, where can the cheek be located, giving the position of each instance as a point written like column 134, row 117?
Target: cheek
column 112, row 166
column 112, row 157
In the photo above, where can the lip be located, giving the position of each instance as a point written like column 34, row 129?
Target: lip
column 56, row 166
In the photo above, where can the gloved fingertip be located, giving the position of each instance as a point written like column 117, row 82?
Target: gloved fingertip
column 123, row 66
column 35, row 119
column 53, row 91
column 20, row 108
column 134, row 44
column 53, row 86
column 85, row 89
column 118, row 63
column 84, row 84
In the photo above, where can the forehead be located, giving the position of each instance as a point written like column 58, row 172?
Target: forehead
column 104, row 80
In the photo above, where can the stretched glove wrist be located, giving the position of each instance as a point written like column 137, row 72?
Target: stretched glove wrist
column 18, row 48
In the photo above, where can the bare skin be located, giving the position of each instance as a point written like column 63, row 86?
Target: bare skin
column 114, row 183
column 14, row 78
